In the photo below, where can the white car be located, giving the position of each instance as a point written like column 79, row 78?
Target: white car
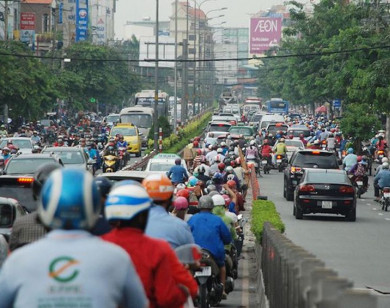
column 24, row 144
column 162, row 163
column 292, row 146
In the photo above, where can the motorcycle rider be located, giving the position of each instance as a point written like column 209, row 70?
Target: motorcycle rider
column 280, row 149
column 378, row 169
column 360, row 170
column 122, row 143
column 381, row 145
column 3, row 131
column 266, row 151
column 162, row 275
column 161, row 225
column 252, row 153
column 211, row 233
column 350, row 160
column 382, row 179
column 34, row 275
column 177, row 173
column 6, row 152
column 35, row 138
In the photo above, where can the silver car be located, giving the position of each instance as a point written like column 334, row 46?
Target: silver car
column 71, row 157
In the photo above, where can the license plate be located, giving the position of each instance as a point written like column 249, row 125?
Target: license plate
column 326, row 204
column 205, row 272
column 295, row 182
column 264, row 162
column 278, row 161
column 360, row 183
column 386, row 195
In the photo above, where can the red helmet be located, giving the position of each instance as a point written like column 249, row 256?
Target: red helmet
column 231, row 183
column 199, row 151
column 221, row 166
column 291, row 136
column 183, row 193
column 195, row 144
column 197, row 139
column 359, row 158
column 227, row 199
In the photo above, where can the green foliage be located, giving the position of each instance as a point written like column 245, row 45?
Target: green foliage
column 359, row 122
column 264, row 211
column 361, row 76
column 176, row 142
column 164, row 124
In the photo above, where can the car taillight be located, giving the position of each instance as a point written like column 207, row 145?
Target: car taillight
column 25, row 180
column 386, row 190
column 306, row 188
column 380, row 152
column 346, row 189
column 295, row 169
column 315, row 152
column 279, row 157
column 323, row 141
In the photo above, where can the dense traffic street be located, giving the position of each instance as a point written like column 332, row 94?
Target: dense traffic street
column 356, row 250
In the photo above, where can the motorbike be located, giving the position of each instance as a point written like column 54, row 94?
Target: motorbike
column 255, row 163
column 385, row 200
column 238, row 243
column 122, row 154
column 380, row 155
column 281, row 162
column 360, row 187
column 110, row 163
column 266, row 165
column 210, row 288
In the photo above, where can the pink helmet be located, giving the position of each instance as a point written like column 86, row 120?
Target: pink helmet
column 227, row 199
column 180, row 203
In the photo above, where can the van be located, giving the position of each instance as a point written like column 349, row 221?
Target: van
column 297, row 130
column 131, row 135
column 268, row 118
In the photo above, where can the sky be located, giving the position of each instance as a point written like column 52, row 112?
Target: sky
column 237, row 13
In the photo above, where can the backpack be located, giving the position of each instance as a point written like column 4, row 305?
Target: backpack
column 360, row 170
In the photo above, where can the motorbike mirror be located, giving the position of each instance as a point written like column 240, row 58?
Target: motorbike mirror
column 91, row 162
column 189, row 253
column 239, row 216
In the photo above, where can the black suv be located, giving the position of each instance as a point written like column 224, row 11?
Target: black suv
column 305, row 159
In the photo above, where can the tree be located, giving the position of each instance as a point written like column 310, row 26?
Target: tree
column 359, row 122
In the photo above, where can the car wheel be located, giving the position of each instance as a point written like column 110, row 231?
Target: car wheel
column 294, row 209
column 298, row 212
column 289, row 195
column 285, row 189
column 351, row 216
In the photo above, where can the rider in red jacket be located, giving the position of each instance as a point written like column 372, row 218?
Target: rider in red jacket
column 166, row 282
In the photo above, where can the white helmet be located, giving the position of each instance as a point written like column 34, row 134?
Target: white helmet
column 385, row 160
column 223, row 144
column 252, row 142
column 219, row 150
column 385, row 165
column 218, row 200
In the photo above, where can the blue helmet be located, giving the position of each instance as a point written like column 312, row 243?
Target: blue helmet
column 69, row 200
column 350, row 150
column 124, row 202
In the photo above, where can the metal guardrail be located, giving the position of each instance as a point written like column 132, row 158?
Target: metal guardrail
column 295, row 278
column 141, row 165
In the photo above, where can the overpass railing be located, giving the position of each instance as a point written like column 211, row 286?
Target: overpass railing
column 295, row 278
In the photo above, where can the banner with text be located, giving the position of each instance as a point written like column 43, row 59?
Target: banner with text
column 265, row 32
column 81, row 20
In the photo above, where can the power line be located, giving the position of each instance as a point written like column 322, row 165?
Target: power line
column 314, row 54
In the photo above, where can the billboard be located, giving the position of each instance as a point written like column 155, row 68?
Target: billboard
column 265, row 32
column 27, row 21
column 81, row 20
column 147, row 51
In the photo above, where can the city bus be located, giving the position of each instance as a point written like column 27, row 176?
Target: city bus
column 145, row 98
column 142, row 117
column 277, row 105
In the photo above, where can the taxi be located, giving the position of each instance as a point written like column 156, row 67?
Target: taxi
column 162, row 163
column 131, row 135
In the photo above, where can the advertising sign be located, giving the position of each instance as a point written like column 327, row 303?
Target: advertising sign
column 27, row 21
column 27, row 36
column 81, row 20
column 265, row 32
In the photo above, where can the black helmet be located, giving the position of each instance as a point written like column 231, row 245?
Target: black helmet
column 40, row 177
column 104, row 185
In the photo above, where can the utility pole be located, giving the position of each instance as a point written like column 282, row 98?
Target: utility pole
column 6, row 20
column 155, row 120
column 194, row 65
column 175, row 102
column 184, row 100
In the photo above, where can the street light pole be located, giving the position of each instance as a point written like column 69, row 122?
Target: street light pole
column 155, row 119
column 175, row 102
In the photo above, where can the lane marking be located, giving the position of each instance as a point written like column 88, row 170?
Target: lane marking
column 374, row 209
column 387, row 219
column 245, row 283
column 380, row 214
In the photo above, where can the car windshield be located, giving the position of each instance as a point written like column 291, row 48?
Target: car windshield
column 321, row 160
column 112, row 118
column 293, row 143
column 241, row 131
column 26, row 165
column 6, row 216
column 161, row 166
column 124, row 131
column 70, row 158
column 21, row 144
column 140, row 120
column 326, row 177
column 297, row 133
column 219, row 128
column 273, row 129
column 256, row 118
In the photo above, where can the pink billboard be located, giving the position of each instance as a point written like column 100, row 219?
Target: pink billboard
column 265, row 32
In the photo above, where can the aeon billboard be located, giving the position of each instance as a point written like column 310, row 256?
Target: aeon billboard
column 265, row 32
